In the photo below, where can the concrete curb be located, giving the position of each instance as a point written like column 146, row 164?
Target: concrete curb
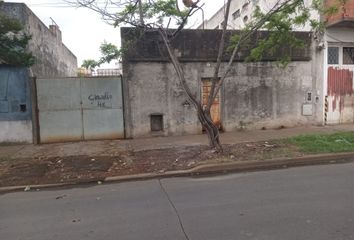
column 209, row 169
column 246, row 166
column 40, row 186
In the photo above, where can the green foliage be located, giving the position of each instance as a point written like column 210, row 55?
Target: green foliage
column 89, row 64
column 280, row 27
column 155, row 13
column 13, row 43
column 338, row 142
column 109, row 53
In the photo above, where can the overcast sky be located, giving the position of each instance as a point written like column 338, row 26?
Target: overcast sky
column 83, row 30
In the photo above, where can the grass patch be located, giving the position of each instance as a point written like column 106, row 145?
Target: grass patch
column 324, row 143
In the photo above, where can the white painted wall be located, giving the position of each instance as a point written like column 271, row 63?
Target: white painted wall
column 16, row 131
column 340, row 35
column 246, row 12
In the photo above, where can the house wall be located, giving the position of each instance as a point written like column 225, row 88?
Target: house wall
column 54, row 59
column 338, row 84
column 15, row 105
column 256, row 95
column 246, row 9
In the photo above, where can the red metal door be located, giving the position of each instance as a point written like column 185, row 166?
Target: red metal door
column 339, row 105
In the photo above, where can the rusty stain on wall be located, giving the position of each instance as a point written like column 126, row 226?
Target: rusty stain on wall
column 340, row 84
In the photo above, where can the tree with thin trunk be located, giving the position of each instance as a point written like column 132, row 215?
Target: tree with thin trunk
column 162, row 15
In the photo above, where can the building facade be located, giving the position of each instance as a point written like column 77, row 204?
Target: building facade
column 336, row 45
column 255, row 95
column 53, row 58
column 241, row 12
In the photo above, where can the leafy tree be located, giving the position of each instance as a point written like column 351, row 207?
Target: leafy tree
column 159, row 15
column 13, row 43
column 89, row 64
column 109, row 53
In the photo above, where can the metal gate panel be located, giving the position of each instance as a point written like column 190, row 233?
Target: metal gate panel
column 58, row 94
column 73, row 109
column 60, row 126
column 105, row 124
column 59, row 110
column 339, row 95
column 102, row 108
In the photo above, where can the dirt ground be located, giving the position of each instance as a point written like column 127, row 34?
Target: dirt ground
column 73, row 169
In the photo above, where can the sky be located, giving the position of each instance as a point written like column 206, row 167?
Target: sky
column 83, row 30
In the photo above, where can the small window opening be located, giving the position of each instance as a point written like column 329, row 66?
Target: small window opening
column 23, row 107
column 333, row 55
column 348, row 55
column 245, row 19
column 156, row 121
column 245, row 7
column 236, row 14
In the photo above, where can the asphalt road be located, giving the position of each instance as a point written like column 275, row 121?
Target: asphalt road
column 300, row 203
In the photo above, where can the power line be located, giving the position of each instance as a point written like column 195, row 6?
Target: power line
column 65, row 4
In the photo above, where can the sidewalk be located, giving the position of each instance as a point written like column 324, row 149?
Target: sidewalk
column 122, row 160
column 114, row 147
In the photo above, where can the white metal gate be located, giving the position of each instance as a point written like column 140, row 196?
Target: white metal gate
column 72, row 109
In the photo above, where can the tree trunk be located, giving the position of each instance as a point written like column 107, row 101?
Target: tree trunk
column 210, row 128
column 203, row 115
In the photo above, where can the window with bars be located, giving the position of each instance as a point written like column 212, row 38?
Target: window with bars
column 348, row 55
column 245, row 7
column 333, row 55
column 236, row 14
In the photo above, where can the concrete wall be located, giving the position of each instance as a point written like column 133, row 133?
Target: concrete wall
column 339, row 35
column 256, row 95
column 54, row 59
column 15, row 105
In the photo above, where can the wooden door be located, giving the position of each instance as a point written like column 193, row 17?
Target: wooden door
column 215, row 108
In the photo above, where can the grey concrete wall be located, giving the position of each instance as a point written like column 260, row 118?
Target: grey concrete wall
column 54, row 59
column 256, row 95
column 202, row 46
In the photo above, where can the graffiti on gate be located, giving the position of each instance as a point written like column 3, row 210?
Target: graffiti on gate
column 101, row 100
